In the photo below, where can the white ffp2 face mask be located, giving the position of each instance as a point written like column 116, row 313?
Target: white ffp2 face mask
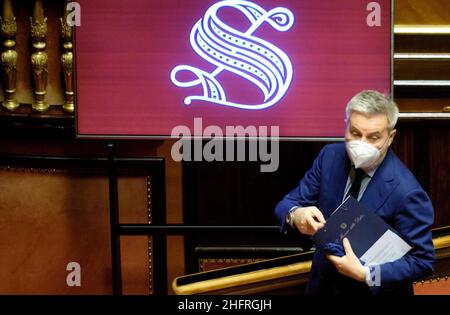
column 362, row 154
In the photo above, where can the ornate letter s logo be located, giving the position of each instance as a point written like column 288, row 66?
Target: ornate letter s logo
column 247, row 56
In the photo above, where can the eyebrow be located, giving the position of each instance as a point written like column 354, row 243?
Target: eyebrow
column 353, row 128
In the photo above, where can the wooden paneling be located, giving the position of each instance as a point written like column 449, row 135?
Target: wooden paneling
column 434, row 17
column 428, row 69
column 433, row 287
column 439, row 170
column 425, row 149
column 51, row 218
column 174, row 204
column 81, row 202
column 136, row 251
column 422, row 44
column 418, row 105
column 422, row 12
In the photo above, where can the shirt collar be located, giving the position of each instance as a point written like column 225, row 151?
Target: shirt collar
column 371, row 172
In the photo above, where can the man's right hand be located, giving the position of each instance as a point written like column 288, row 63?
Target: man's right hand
column 308, row 220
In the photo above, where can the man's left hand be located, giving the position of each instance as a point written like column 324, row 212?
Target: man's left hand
column 349, row 264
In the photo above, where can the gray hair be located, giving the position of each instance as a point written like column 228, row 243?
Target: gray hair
column 372, row 102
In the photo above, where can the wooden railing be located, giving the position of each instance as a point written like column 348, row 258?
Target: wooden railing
column 279, row 273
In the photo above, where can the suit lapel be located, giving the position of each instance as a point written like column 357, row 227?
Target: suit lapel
column 381, row 185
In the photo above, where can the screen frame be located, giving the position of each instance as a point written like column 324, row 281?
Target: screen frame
column 193, row 137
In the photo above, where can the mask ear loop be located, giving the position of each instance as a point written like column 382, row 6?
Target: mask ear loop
column 379, row 150
column 390, row 135
column 385, row 141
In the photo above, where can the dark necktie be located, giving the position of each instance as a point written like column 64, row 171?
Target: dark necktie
column 356, row 185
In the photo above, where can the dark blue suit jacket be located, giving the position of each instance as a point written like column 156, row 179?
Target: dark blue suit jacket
column 394, row 194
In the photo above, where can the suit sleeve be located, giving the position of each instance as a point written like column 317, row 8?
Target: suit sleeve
column 413, row 222
column 304, row 195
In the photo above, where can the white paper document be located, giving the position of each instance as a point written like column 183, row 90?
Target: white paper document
column 389, row 247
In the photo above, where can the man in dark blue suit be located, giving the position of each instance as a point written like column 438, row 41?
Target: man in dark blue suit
column 365, row 167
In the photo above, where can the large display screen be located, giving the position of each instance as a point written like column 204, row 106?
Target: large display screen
column 144, row 67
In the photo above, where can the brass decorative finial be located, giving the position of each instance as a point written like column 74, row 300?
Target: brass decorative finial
column 39, row 58
column 67, row 61
column 9, row 55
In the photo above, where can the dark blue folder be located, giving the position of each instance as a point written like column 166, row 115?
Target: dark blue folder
column 355, row 222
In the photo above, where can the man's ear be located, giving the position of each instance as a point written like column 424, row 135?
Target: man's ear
column 393, row 133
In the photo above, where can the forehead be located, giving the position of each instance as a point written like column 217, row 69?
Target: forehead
column 368, row 123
